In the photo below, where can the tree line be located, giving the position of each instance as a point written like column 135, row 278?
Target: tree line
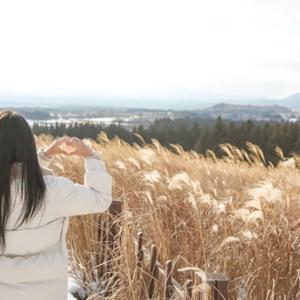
column 191, row 134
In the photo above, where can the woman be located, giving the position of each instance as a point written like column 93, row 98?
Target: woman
column 34, row 210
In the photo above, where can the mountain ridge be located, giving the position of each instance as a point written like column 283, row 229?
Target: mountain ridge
column 230, row 106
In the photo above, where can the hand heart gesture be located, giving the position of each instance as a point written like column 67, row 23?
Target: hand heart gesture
column 69, row 146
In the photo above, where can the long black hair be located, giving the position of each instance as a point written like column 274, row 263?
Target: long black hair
column 17, row 145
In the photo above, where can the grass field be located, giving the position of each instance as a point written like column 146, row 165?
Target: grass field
column 232, row 215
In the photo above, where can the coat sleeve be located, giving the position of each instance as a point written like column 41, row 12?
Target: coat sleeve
column 94, row 196
column 72, row 199
column 44, row 162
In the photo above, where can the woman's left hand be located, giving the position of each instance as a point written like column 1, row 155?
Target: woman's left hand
column 55, row 147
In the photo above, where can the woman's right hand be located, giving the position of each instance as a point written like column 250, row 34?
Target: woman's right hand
column 78, row 147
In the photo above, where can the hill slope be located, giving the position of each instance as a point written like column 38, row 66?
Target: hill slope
column 244, row 112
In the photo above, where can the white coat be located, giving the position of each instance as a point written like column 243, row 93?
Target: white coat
column 34, row 264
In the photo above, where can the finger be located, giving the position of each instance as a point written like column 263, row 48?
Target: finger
column 64, row 152
column 56, row 143
column 68, row 142
column 76, row 139
column 72, row 141
column 73, row 152
column 63, row 140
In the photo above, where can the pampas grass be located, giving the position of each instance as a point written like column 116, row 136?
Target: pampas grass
column 233, row 215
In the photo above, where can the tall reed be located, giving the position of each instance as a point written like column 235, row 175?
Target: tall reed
column 238, row 215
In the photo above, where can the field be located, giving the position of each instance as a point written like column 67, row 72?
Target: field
column 233, row 215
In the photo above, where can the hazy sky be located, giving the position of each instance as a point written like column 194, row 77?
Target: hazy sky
column 132, row 48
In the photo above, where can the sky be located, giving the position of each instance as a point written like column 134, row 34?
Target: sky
column 151, row 49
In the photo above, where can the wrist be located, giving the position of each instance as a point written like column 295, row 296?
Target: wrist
column 94, row 155
column 48, row 153
column 88, row 152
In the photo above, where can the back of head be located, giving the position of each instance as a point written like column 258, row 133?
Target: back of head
column 17, row 147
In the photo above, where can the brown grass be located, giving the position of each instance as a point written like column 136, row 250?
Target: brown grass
column 238, row 215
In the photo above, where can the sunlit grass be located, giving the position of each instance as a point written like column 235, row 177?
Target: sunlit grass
column 238, row 215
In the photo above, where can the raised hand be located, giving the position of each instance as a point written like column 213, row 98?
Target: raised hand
column 56, row 147
column 76, row 146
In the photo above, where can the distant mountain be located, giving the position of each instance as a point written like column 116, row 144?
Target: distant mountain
column 292, row 101
column 226, row 107
column 245, row 112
